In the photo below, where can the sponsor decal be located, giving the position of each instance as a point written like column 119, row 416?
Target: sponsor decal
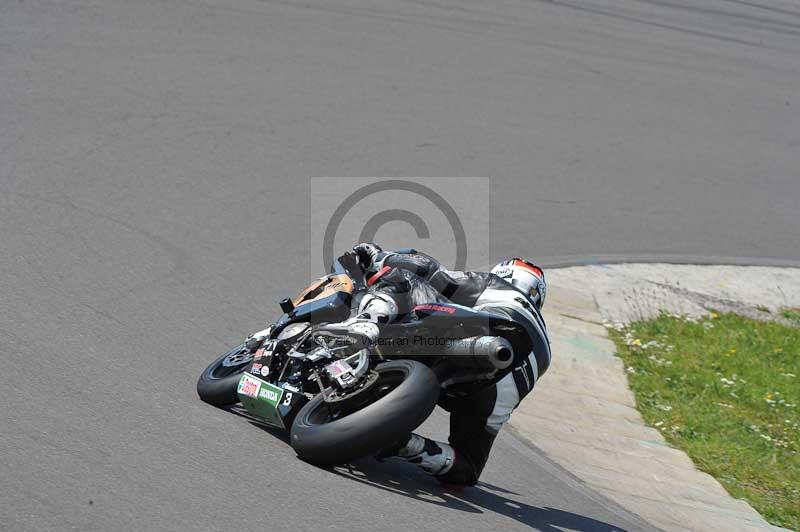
column 256, row 369
column 258, row 354
column 269, row 394
column 503, row 272
column 436, row 308
column 249, row 386
column 264, row 371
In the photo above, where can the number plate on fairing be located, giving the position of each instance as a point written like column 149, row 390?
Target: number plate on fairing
column 272, row 404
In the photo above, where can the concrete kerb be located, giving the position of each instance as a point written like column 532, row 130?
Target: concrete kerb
column 583, row 415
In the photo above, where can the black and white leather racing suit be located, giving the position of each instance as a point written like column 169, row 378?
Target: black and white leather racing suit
column 400, row 281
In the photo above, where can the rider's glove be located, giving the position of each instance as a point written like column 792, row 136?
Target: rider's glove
column 367, row 253
column 349, row 260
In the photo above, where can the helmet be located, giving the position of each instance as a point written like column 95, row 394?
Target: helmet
column 525, row 276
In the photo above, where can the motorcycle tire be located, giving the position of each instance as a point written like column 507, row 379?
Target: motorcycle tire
column 218, row 383
column 321, row 441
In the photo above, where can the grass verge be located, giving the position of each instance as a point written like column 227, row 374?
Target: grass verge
column 726, row 391
column 792, row 314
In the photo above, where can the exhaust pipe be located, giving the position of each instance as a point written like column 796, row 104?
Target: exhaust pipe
column 480, row 352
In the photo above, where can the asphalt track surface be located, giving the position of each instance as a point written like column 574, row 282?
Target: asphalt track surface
column 154, row 165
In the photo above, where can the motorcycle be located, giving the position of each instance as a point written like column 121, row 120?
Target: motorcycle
column 341, row 398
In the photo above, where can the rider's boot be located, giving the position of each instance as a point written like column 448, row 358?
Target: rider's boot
column 433, row 457
column 360, row 327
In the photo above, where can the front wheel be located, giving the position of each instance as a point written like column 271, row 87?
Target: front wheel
column 217, row 385
column 407, row 392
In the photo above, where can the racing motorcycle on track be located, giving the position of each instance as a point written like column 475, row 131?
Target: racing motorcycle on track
column 341, row 398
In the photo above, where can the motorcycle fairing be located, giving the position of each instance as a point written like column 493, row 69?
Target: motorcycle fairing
column 274, row 405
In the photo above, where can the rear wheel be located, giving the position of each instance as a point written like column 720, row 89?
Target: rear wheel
column 405, row 395
column 217, row 385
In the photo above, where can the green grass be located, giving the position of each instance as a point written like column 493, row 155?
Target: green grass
column 726, row 390
column 791, row 314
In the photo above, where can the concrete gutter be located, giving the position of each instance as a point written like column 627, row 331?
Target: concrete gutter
column 582, row 413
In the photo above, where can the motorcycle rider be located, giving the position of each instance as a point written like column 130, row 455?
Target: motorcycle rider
column 514, row 288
